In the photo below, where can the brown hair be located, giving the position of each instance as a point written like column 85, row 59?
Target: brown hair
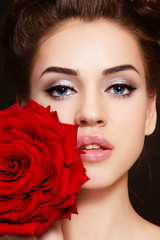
column 29, row 20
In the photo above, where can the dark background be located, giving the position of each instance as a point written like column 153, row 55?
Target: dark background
column 7, row 96
column 144, row 177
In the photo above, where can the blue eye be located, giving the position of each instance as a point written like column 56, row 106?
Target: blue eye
column 60, row 91
column 121, row 89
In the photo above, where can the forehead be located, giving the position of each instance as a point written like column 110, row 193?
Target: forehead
column 101, row 42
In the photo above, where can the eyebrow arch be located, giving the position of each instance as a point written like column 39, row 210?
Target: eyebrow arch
column 119, row 69
column 60, row 70
column 107, row 71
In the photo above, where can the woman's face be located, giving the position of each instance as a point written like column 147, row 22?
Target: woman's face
column 92, row 74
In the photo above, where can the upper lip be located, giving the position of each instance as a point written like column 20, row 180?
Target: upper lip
column 93, row 139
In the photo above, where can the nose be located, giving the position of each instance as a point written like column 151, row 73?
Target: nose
column 91, row 112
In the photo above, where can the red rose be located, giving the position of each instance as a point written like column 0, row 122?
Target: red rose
column 40, row 169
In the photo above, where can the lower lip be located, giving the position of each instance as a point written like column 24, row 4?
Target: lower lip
column 95, row 155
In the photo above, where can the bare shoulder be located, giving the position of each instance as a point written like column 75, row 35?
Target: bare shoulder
column 143, row 229
column 149, row 230
column 154, row 231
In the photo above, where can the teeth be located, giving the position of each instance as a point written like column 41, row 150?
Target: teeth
column 92, row 146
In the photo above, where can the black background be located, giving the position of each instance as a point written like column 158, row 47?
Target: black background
column 7, row 96
column 145, row 176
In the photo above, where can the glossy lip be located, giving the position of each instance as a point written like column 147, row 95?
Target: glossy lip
column 94, row 155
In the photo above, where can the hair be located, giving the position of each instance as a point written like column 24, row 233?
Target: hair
column 28, row 21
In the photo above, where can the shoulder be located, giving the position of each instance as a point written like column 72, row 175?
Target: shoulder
column 153, row 231
column 149, row 230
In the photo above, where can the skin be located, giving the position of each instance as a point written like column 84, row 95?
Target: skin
column 123, row 119
column 113, row 104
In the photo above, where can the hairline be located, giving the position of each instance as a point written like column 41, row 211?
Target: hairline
column 62, row 23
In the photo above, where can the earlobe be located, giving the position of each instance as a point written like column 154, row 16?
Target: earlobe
column 20, row 101
column 151, row 116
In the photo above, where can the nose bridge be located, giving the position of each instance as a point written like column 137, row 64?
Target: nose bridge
column 91, row 103
column 91, row 110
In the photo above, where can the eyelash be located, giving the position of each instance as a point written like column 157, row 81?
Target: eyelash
column 59, row 88
column 53, row 91
column 122, row 86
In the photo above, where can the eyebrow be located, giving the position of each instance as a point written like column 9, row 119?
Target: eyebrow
column 60, row 70
column 107, row 71
column 119, row 68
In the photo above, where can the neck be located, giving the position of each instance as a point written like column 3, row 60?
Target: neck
column 100, row 212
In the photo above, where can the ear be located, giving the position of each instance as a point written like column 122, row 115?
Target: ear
column 151, row 116
column 20, row 101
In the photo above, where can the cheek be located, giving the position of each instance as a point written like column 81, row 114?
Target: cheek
column 129, row 128
column 129, row 115
column 65, row 108
column 65, row 113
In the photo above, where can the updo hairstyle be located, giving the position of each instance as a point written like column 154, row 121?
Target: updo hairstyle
column 28, row 21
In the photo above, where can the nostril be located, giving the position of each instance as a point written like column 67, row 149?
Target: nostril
column 83, row 122
column 91, row 122
column 99, row 121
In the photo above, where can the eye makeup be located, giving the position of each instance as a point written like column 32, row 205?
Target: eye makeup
column 121, row 87
column 61, row 89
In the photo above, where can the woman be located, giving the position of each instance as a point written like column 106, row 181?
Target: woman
column 96, row 62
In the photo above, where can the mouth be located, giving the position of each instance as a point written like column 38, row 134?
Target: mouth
column 95, row 148
column 91, row 147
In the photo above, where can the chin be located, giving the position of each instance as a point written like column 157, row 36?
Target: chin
column 99, row 183
column 104, row 179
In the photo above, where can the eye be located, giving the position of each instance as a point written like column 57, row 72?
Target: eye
column 60, row 91
column 121, row 89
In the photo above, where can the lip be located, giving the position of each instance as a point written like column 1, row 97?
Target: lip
column 94, row 155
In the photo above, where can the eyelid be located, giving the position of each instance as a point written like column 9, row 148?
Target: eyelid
column 129, row 85
column 122, row 81
column 54, row 89
column 61, row 82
